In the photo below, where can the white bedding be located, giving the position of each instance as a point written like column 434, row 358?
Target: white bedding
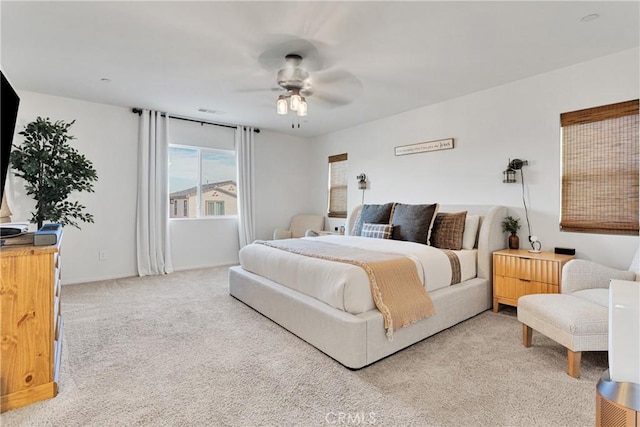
column 345, row 286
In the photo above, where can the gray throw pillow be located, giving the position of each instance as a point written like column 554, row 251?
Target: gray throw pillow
column 373, row 214
column 413, row 223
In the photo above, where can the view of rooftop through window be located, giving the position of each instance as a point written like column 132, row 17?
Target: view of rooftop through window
column 202, row 182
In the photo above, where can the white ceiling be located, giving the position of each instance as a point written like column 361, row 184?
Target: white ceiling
column 383, row 57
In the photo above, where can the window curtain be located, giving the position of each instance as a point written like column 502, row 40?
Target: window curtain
column 244, row 142
column 152, row 216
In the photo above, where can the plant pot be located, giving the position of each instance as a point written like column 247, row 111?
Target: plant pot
column 514, row 241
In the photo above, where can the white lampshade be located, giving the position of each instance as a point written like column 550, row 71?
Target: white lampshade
column 302, row 108
column 296, row 99
column 281, row 105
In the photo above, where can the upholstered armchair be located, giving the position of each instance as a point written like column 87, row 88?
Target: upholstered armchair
column 300, row 225
column 590, row 280
column 578, row 317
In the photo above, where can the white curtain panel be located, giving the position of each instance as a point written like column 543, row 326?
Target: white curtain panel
column 152, row 216
column 244, row 142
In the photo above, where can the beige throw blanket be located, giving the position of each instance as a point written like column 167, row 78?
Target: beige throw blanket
column 395, row 286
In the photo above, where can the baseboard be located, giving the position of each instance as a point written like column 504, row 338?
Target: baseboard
column 77, row 281
column 195, row 267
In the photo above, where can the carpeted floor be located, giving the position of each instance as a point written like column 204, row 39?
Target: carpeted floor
column 178, row 350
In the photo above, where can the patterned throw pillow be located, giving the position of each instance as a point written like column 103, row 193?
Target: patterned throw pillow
column 448, row 229
column 413, row 222
column 377, row 231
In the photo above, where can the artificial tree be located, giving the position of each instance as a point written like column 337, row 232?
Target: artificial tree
column 52, row 170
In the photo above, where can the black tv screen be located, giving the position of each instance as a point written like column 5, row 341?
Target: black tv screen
column 9, row 110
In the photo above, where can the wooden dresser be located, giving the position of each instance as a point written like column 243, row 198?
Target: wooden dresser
column 518, row 272
column 31, row 322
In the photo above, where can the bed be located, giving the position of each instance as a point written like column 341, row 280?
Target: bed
column 351, row 330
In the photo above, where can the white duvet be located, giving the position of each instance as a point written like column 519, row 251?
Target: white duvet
column 346, row 286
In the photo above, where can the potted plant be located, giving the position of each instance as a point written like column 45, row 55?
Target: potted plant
column 52, row 169
column 512, row 225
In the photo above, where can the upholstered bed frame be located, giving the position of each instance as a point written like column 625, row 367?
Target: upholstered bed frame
column 359, row 340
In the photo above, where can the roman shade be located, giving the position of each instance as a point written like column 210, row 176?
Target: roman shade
column 338, row 186
column 600, row 169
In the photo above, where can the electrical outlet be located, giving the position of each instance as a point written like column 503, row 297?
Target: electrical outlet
column 102, row 255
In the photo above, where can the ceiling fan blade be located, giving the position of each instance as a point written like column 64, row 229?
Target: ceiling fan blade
column 336, row 76
column 333, row 99
column 260, row 90
column 338, row 87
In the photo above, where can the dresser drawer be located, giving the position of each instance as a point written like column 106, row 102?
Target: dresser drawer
column 513, row 288
column 535, row 270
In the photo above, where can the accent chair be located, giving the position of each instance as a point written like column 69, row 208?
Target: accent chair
column 300, row 225
column 577, row 318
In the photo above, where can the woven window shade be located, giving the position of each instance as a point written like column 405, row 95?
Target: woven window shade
column 600, row 169
column 338, row 186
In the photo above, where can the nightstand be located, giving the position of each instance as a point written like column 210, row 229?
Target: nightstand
column 518, row 272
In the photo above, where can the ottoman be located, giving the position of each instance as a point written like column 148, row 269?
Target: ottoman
column 573, row 322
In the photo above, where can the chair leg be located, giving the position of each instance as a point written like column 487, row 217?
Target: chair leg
column 527, row 332
column 573, row 368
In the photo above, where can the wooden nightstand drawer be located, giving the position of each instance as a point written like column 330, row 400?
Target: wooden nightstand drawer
column 538, row 270
column 511, row 288
column 520, row 272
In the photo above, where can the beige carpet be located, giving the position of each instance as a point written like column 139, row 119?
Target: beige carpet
column 178, row 350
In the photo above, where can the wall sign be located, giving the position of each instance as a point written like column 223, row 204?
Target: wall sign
column 423, row 147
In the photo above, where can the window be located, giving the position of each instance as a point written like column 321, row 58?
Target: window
column 214, row 208
column 600, row 169
column 203, row 181
column 338, row 186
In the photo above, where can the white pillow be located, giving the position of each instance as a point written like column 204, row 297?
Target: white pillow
column 471, row 224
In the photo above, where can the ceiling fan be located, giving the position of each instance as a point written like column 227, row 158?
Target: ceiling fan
column 295, row 80
column 306, row 69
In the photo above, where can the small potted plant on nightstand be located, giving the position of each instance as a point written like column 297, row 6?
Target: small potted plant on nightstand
column 512, row 225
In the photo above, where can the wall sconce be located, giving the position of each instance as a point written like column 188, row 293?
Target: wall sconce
column 362, row 181
column 509, row 174
column 362, row 184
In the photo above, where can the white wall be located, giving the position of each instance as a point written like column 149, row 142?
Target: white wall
column 284, row 180
column 517, row 120
column 108, row 136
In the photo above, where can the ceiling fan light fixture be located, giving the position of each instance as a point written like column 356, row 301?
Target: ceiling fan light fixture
column 296, row 99
column 281, row 105
column 302, row 108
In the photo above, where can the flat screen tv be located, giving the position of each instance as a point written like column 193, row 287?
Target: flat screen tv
column 9, row 110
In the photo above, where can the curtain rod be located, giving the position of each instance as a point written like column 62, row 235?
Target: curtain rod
column 138, row 111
